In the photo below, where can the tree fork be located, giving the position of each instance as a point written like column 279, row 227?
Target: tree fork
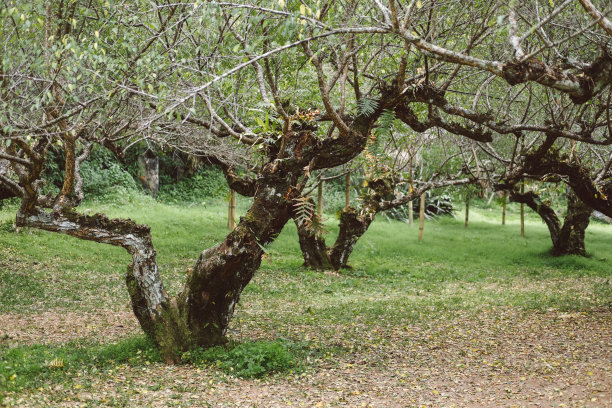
column 312, row 242
column 567, row 238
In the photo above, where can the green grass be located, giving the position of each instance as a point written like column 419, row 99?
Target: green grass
column 35, row 365
column 395, row 280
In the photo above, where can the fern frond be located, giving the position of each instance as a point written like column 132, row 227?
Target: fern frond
column 366, row 106
column 305, row 211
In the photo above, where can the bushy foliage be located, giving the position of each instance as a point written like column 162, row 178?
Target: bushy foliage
column 247, row 360
column 207, row 182
column 104, row 176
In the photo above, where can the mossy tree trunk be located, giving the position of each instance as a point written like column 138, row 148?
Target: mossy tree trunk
column 353, row 224
column 571, row 235
column 201, row 312
column 314, row 249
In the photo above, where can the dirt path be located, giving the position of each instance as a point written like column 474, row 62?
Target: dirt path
column 502, row 358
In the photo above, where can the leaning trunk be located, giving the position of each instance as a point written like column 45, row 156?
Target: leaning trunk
column 220, row 274
column 200, row 314
column 150, row 302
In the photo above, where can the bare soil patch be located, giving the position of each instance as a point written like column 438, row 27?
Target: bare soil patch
column 61, row 326
column 500, row 358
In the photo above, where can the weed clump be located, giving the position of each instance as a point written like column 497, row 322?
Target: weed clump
column 246, row 360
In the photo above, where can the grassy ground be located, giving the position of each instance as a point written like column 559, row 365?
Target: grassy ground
column 476, row 317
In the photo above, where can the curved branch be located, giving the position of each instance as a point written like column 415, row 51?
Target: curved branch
column 597, row 15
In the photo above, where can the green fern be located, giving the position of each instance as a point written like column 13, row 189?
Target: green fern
column 366, row 106
column 385, row 122
column 305, row 211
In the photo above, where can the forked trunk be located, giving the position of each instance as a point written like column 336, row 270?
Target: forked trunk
column 353, row 224
column 315, row 251
column 567, row 238
column 313, row 246
column 201, row 313
column 570, row 240
column 307, row 217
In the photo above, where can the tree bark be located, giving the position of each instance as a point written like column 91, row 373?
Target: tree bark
column 347, row 191
column 148, row 168
column 320, row 200
column 231, row 213
column 548, row 215
column 312, row 242
column 504, row 204
column 545, row 162
column 150, row 302
column 467, row 210
column 522, row 211
column 221, row 273
column 410, row 214
column 6, row 193
column 353, row 224
column 571, row 235
column 314, row 248
column 200, row 314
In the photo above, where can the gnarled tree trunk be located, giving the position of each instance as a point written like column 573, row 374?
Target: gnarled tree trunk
column 353, row 224
column 150, row 302
column 571, row 235
column 312, row 242
column 200, row 314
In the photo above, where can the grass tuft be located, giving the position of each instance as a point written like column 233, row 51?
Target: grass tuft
column 247, row 360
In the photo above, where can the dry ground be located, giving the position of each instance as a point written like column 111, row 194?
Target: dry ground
column 499, row 358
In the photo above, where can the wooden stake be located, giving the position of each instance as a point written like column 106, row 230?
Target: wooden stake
column 467, row 210
column 320, row 200
column 522, row 211
column 410, row 204
column 231, row 216
column 421, row 217
column 410, row 214
column 504, row 209
column 347, row 192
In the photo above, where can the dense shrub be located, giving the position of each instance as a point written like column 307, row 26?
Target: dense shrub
column 207, row 182
column 247, row 360
column 104, row 176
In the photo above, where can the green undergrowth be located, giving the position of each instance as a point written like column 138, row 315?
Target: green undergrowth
column 395, row 281
column 247, row 360
column 35, row 366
